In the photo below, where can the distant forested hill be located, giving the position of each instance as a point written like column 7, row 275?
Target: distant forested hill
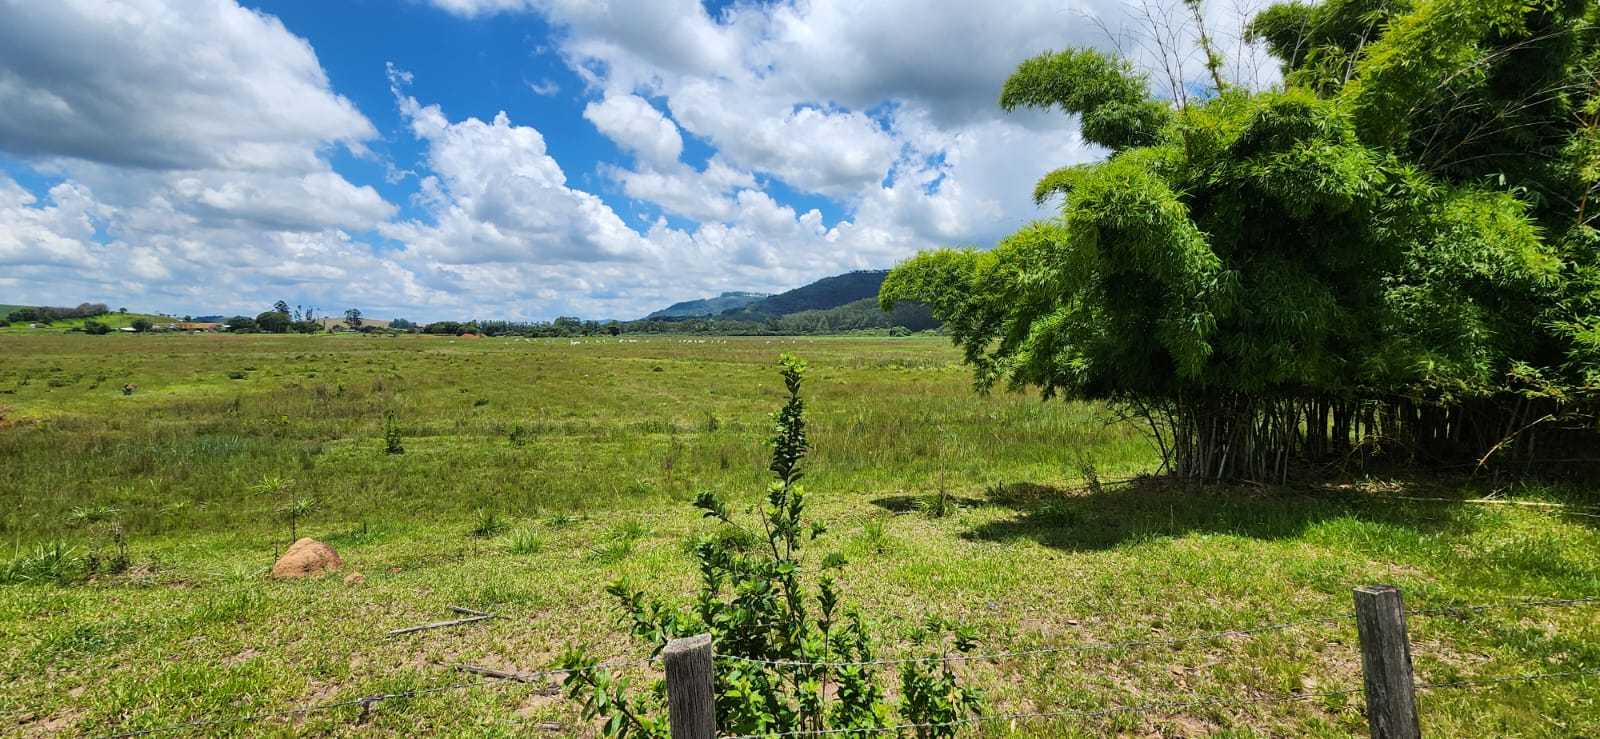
column 859, row 315
column 826, row 293
column 708, row 306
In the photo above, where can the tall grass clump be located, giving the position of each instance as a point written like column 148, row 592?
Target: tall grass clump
column 53, row 562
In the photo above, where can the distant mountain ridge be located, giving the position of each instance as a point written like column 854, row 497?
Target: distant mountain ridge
column 824, row 294
column 708, row 306
column 828, row 292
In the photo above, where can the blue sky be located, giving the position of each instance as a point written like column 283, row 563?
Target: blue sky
column 517, row 159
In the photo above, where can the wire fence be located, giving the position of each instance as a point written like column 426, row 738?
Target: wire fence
column 1077, row 647
column 365, row 702
column 1163, row 706
column 368, row 702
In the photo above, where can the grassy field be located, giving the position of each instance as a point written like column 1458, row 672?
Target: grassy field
column 536, row 471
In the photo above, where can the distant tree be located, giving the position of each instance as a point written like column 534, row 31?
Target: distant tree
column 568, row 326
column 352, row 318
column 240, row 324
column 273, row 322
column 142, row 325
column 281, row 307
column 401, row 324
column 614, row 329
column 122, row 310
column 96, row 328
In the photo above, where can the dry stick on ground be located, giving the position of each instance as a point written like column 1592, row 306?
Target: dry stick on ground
column 475, row 617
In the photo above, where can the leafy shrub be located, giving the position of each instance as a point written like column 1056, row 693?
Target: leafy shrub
column 755, row 606
column 391, row 436
column 96, row 328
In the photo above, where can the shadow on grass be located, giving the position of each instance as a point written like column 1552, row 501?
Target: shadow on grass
column 1147, row 508
column 911, row 503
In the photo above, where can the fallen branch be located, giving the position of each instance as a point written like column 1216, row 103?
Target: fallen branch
column 477, row 616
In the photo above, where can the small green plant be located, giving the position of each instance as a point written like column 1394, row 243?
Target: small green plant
column 489, row 523
column 114, row 562
column 295, row 510
column 82, row 515
column 782, row 640
column 937, row 504
column 291, row 509
column 875, row 535
column 524, row 541
column 561, row 520
column 1091, row 476
column 519, row 436
column 55, row 562
column 391, row 435
column 619, row 542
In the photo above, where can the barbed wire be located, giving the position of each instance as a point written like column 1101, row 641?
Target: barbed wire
column 1492, row 681
column 366, row 702
column 1066, row 648
column 1481, row 607
column 1062, row 713
column 1162, row 706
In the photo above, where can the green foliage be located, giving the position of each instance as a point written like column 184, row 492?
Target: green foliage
column 96, row 328
column 1111, row 98
column 524, row 542
column 142, row 325
column 391, row 435
column 780, row 639
column 489, row 524
column 240, row 324
column 273, row 322
column 1389, row 225
column 54, row 562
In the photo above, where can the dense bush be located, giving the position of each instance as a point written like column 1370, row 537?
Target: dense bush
column 1395, row 252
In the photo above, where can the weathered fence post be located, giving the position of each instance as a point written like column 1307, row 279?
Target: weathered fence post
column 691, row 705
column 1386, row 663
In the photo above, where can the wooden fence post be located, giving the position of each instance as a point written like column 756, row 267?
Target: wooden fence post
column 1386, row 663
column 691, row 704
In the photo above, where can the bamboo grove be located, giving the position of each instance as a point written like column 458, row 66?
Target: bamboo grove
column 1391, row 254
